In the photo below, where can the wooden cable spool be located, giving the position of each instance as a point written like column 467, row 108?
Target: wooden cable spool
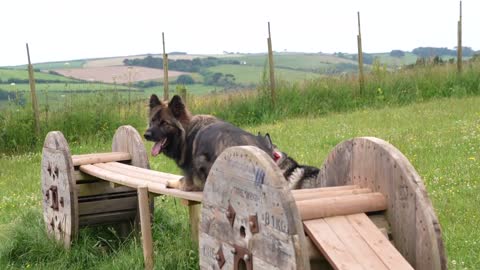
column 72, row 199
column 251, row 220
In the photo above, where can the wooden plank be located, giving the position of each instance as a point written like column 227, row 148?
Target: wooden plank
column 344, row 205
column 108, row 218
column 146, row 227
column 194, row 214
column 135, row 182
column 326, row 194
column 98, row 188
column 99, row 157
column 377, row 242
column 109, row 205
column 330, row 245
column 324, row 189
column 355, row 243
column 149, row 172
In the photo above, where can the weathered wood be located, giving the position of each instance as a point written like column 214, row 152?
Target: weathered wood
column 375, row 164
column 31, row 79
column 343, row 205
column 323, row 189
column 377, row 242
column 100, row 187
column 59, row 196
column 108, row 205
column 165, row 70
column 244, row 186
column 271, row 66
column 127, row 139
column 132, row 182
column 194, row 215
column 143, row 171
column 145, row 216
column 139, row 173
column 459, row 41
column 100, row 157
column 332, row 247
column 124, row 216
column 361, row 77
column 333, row 193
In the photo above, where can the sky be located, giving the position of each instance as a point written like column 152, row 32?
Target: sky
column 58, row 30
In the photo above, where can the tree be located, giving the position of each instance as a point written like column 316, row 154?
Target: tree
column 397, row 53
column 185, row 79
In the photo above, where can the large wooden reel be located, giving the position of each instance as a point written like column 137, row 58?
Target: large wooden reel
column 60, row 204
column 249, row 217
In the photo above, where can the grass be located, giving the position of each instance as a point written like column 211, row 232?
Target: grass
column 192, row 89
column 303, row 61
column 22, row 74
column 385, row 58
column 441, row 138
column 247, row 75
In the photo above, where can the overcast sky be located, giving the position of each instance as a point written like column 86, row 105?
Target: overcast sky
column 66, row 29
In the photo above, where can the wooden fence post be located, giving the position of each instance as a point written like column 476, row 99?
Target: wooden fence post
column 459, row 40
column 165, row 70
column 361, row 78
column 31, row 78
column 270, row 61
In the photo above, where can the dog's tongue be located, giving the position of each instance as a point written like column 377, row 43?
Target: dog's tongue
column 157, row 148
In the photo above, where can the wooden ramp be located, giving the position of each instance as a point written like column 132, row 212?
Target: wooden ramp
column 354, row 242
column 131, row 176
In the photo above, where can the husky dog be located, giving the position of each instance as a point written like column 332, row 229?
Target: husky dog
column 193, row 141
column 298, row 176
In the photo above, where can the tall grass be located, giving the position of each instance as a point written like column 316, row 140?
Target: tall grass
column 97, row 117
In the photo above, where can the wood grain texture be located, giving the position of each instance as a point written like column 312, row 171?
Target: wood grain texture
column 100, row 157
column 341, row 205
column 59, row 196
column 247, row 180
column 146, row 227
column 373, row 163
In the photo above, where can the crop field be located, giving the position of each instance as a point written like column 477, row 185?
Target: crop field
column 253, row 74
column 441, row 138
column 56, row 65
column 118, row 74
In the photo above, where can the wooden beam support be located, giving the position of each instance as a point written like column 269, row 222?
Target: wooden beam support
column 146, row 227
column 326, row 194
column 99, row 158
column 31, row 78
column 344, row 205
column 165, row 70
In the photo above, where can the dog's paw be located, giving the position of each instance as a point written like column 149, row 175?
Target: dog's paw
column 177, row 184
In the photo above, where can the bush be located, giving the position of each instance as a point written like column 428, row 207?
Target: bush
column 185, row 79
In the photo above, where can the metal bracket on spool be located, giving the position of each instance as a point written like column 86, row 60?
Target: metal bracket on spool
column 243, row 257
column 231, row 214
column 253, row 224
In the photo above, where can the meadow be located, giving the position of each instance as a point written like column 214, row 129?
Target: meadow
column 441, row 138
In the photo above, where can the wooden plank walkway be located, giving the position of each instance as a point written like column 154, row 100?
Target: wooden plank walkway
column 354, row 242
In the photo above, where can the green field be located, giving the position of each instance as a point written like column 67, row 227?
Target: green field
column 302, row 61
column 56, row 65
column 65, row 87
column 192, row 89
column 22, row 74
column 441, row 139
column 245, row 74
column 390, row 61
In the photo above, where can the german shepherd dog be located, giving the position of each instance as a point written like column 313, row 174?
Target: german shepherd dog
column 298, row 176
column 194, row 141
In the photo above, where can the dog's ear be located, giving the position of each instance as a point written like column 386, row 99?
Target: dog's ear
column 269, row 142
column 176, row 106
column 154, row 101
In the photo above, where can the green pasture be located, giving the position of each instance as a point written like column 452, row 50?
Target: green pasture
column 441, row 138
column 245, row 74
column 302, row 61
column 22, row 74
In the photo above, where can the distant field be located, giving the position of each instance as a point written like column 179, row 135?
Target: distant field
column 22, row 74
column 63, row 87
column 56, row 65
column 385, row 58
column 253, row 74
column 192, row 89
column 118, row 61
column 118, row 74
column 306, row 61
